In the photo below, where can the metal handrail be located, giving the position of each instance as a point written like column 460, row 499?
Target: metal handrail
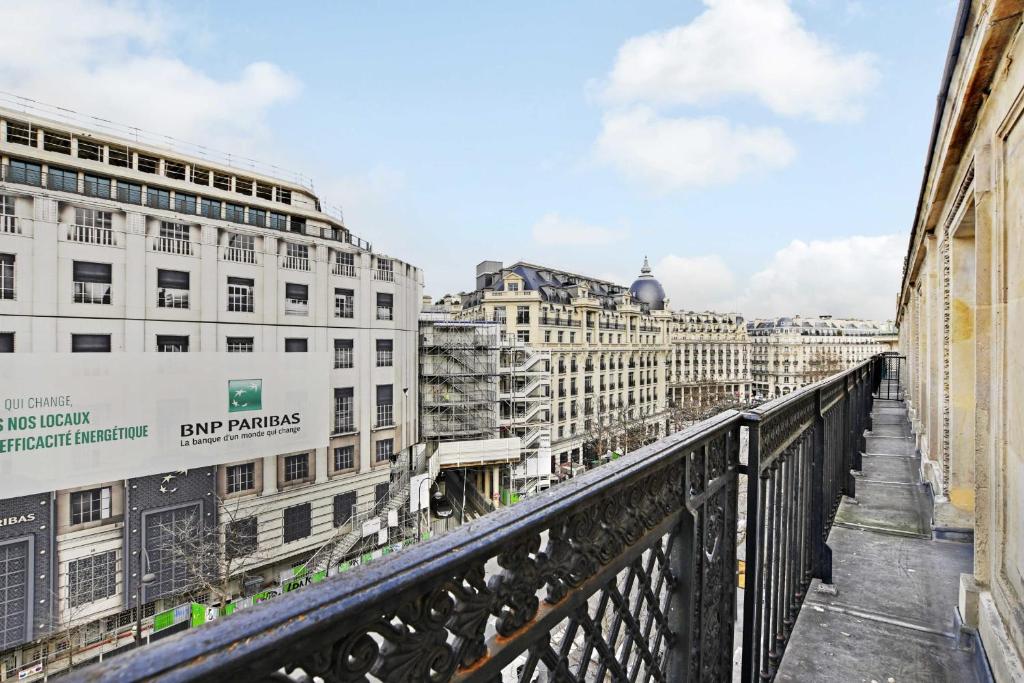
column 543, row 582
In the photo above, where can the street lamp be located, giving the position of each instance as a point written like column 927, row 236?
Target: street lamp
column 148, row 578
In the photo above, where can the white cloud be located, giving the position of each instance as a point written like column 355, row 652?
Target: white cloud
column 741, row 48
column 552, row 229
column 113, row 60
column 676, row 153
column 852, row 276
column 689, row 280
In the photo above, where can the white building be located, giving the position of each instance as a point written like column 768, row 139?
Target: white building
column 108, row 245
column 789, row 353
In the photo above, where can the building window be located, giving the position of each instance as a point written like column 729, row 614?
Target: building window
column 62, row 180
column 129, row 193
column 92, row 578
column 234, row 213
column 6, row 342
column 148, row 164
column 8, row 221
column 385, row 405
column 385, row 306
column 92, row 282
column 344, row 412
column 257, row 217
column 25, row 172
column 385, row 270
column 522, row 315
column 343, row 507
column 380, row 496
column 241, row 477
column 278, row 221
column 184, row 203
column 344, row 303
column 241, row 248
column 513, row 286
column 385, row 449
column 210, row 208
column 221, row 181
column 241, row 537
column 296, row 299
column 96, row 186
column 7, row 276
column 385, row 353
column 239, row 345
column 344, row 264
column 56, row 142
column 284, row 196
column 523, row 336
column 90, row 343
column 296, row 345
column 199, row 176
column 158, row 198
column 296, row 256
column 344, row 458
column 241, row 295
column 119, row 156
column 90, row 506
column 174, row 169
column 297, row 522
column 343, row 353
column 92, row 226
column 174, row 239
column 167, row 343
column 243, row 186
column 264, row 191
column 172, row 288
column 22, row 133
column 296, row 467
column 162, row 532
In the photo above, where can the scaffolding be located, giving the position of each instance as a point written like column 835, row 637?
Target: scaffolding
column 458, row 380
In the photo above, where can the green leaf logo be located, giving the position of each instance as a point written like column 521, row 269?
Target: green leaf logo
column 245, row 394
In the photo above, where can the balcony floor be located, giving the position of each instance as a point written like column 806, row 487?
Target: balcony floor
column 893, row 618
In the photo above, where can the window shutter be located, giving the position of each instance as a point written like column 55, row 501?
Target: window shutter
column 172, row 279
column 296, row 345
column 385, row 393
column 86, row 271
column 294, row 291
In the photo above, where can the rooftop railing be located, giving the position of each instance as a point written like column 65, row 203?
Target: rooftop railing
column 625, row 572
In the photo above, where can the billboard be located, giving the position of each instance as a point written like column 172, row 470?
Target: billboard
column 76, row 419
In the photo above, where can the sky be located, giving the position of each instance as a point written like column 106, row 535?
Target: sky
column 766, row 155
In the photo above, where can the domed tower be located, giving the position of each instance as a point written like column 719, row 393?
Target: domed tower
column 647, row 290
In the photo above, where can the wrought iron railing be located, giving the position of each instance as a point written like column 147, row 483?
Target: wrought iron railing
column 625, row 572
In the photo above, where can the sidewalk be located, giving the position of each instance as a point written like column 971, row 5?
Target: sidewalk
column 893, row 617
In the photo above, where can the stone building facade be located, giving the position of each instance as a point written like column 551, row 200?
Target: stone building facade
column 788, row 353
column 961, row 317
column 112, row 245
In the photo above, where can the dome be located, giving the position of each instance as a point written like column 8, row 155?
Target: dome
column 647, row 290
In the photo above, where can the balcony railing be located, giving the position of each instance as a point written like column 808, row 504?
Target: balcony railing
column 625, row 572
column 295, row 263
column 384, row 275
column 238, row 255
column 344, row 269
column 172, row 245
column 91, row 235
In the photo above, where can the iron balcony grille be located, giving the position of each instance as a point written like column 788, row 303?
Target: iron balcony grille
column 626, row 572
column 172, row 245
column 343, row 269
column 92, row 235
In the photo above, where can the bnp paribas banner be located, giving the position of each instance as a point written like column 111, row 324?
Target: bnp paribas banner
column 76, row 419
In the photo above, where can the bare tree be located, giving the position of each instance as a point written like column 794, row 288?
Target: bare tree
column 823, row 363
column 706, row 399
column 215, row 558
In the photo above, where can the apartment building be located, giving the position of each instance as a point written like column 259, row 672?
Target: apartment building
column 109, row 245
column 788, row 353
column 709, row 362
column 605, row 350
